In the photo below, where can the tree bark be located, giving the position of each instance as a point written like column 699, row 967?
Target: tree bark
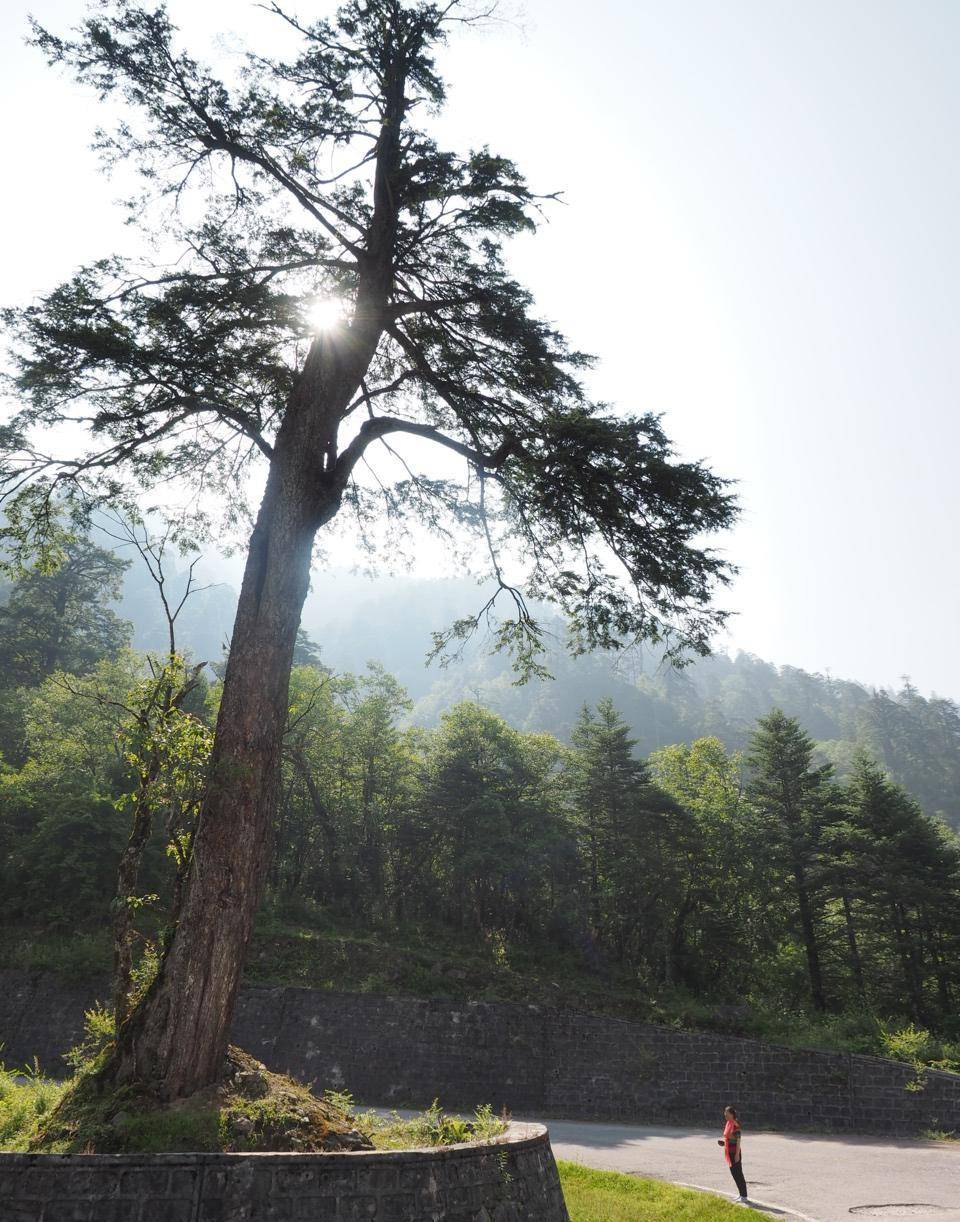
column 809, row 937
column 177, row 1038
column 856, row 964
column 908, row 960
column 332, row 867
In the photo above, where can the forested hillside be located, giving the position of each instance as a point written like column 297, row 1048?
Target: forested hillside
column 672, row 865
column 354, row 621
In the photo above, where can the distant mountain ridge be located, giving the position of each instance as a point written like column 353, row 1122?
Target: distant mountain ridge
column 355, row 621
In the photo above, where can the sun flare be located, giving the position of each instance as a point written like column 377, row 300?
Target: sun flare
column 325, row 313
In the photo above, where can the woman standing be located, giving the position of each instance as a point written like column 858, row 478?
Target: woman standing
column 731, row 1150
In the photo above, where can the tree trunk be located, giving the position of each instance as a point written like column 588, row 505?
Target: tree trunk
column 809, row 938
column 128, row 874
column 856, row 963
column 940, row 965
column 908, row 960
column 177, row 1037
column 677, row 943
column 176, row 1040
column 332, row 866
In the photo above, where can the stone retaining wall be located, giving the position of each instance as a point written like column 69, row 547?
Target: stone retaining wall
column 511, row 1180
column 535, row 1061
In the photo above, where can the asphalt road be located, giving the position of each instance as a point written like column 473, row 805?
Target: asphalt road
column 798, row 1176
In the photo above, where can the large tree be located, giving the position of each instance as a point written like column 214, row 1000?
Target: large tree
column 299, row 183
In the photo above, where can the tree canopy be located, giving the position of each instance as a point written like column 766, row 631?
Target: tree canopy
column 192, row 367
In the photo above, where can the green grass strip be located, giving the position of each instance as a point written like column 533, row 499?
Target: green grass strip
column 608, row 1196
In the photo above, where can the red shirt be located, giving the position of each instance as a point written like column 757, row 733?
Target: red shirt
column 731, row 1142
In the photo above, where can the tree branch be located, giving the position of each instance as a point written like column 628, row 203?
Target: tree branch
column 379, row 426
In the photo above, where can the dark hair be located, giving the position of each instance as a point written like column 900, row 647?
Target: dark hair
column 732, row 1111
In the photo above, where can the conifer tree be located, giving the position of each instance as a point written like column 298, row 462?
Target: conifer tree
column 630, row 833
column 909, row 878
column 338, row 289
column 790, row 790
column 606, row 781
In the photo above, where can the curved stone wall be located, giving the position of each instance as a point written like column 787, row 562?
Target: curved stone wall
column 511, row 1180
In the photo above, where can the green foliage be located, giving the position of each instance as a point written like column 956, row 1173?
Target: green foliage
column 166, row 749
column 144, row 972
column 26, row 1097
column 61, row 871
column 75, row 957
column 99, row 1033
column 476, row 860
column 57, row 614
column 433, row 1127
column 64, row 812
column 910, row 1043
column 918, row 1047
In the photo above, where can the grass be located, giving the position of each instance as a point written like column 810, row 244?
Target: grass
column 75, row 957
column 25, row 1099
column 607, row 1196
column 430, row 1128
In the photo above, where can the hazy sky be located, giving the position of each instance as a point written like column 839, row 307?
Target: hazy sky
column 759, row 239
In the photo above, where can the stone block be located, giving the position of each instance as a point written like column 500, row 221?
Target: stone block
column 295, row 1179
column 68, row 1211
column 339, row 1178
column 144, row 1182
column 377, row 1180
column 398, row 1205
column 183, row 1183
column 357, row 1208
column 317, row 1209
column 20, row 1211
column 118, row 1210
column 158, row 1209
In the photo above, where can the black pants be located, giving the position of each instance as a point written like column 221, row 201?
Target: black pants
column 736, row 1170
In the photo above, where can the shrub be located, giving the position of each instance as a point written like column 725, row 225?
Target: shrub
column 915, row 1045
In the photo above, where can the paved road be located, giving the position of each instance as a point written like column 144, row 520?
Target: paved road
column 814, row 1179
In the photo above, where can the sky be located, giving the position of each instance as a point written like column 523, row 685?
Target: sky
column 758, row 238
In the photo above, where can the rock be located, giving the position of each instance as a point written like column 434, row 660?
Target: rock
column 243, row 1125
column 252, row 1083
column 351, row 1140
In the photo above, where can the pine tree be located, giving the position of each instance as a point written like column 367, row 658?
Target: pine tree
column 909, row 881
column 606, row 782
column 790, row 791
